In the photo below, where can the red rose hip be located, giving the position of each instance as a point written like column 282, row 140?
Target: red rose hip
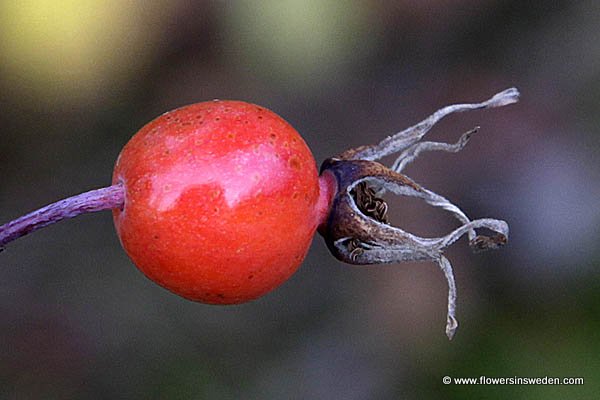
column 221, row 201
column 218, row 202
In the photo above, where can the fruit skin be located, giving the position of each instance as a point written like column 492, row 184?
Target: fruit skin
column 222, row 200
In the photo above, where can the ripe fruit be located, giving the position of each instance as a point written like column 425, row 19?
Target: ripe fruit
column 222, row 200
column 219, row 201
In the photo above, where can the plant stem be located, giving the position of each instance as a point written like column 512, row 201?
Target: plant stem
column 95, row 200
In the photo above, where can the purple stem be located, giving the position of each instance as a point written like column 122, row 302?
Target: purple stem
column 95, row 200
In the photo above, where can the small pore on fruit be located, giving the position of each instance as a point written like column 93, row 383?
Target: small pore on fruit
column 295, row 163
column 215, row 193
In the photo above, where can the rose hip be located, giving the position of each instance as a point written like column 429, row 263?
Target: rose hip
column 219, row 201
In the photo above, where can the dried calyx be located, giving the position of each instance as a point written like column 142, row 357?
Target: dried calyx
column 357, row 230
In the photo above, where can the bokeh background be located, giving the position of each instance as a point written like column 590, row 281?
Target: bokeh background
column 78, row 78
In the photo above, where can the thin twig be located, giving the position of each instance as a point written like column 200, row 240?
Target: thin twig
column 92, row 201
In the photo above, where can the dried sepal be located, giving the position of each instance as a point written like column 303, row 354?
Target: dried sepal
column 412, row 152
column 404, row 139
column 357, row 230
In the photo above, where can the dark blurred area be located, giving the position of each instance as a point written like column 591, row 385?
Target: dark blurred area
column 78, row 78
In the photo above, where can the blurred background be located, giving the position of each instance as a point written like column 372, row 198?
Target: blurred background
column 78, row 78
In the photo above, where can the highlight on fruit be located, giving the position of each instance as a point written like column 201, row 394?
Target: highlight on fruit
column 218, row 202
